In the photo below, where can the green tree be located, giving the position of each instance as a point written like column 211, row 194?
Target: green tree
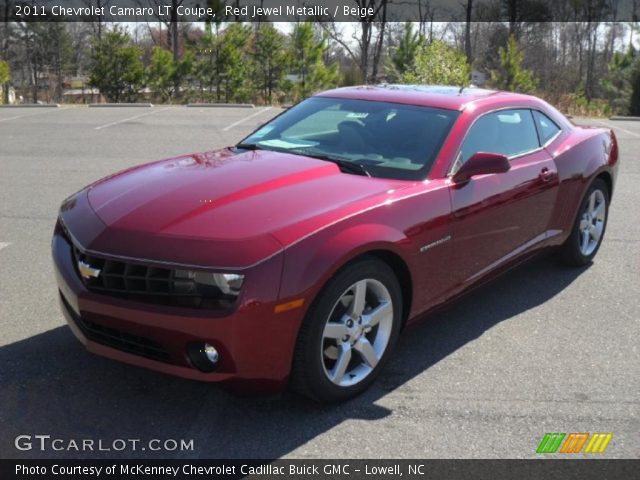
column 620, row 82
column 270, row 59
column 208, row 65
column 402, row 58
column 235, row 65
column 438, row 64
column 47, row 55
column 511, row 75
column 307, row 61
column 59, row 52
column 116, row 68
column 5, row 73
column 165, row 73
column 5, row 76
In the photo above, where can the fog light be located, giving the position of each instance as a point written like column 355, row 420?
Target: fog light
column 211, row 353
column 203, row 356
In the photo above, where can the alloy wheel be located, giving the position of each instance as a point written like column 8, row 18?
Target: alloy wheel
column 592, row 222
column 357, row 332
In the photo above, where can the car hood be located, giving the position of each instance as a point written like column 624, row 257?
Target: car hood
column 224, row 208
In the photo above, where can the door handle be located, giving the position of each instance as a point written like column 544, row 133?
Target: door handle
column 545, row 174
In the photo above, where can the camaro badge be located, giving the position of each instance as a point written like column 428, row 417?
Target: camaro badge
column 87, row 271
column 426, row 247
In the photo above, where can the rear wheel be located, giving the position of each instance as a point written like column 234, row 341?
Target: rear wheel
column 348, row 333
column 589, row 227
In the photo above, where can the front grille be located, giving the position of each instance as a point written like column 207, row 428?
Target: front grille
column 147, row 284
column 118, row 339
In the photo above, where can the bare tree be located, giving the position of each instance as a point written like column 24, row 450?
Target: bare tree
column 97, row 21
column 172, row 39
column 467, row 31
column 368, row 26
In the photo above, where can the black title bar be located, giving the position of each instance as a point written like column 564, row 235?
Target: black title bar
column 318, row 10
column 547, row 469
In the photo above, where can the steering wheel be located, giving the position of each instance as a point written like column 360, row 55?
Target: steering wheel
column 352, row 137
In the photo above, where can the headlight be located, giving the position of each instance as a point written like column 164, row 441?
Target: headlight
column 189, row 281
column 229, row 283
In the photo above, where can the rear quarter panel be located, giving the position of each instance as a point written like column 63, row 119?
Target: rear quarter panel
column 580, row 157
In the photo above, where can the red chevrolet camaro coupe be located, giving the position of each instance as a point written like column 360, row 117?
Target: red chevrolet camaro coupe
column 299, row 255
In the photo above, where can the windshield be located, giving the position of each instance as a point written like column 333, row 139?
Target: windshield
column 379, row 139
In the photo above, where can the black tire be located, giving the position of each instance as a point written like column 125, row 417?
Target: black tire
column 570, row 253
column 309, row 375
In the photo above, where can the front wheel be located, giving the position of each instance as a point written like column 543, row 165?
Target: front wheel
column 588, row 229
column 348, row 333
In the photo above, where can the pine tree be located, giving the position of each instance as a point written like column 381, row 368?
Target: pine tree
column 618, row 84
column 270, row 60
column 511, row 75
column 403, row 57
column 307, row 61
column 235, row 65
column 164, row 73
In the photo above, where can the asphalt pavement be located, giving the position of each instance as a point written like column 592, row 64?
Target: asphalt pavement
column 543, row 349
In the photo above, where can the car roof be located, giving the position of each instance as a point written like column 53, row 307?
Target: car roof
column 438, row 96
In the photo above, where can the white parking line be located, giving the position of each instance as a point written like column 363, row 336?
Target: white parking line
column 235, row 124
column 107, row 125
column 615, row 127
column 48, row 110
column 4, row 244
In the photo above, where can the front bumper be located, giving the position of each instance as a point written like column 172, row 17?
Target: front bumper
column 255, row 343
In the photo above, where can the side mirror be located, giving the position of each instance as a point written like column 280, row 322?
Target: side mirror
column 481, row 163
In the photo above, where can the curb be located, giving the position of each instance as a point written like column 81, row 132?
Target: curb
column 109, row 105
column 31, row 105
column 628, row 119
column 222, row 105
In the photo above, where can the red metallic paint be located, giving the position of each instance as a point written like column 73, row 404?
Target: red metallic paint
column 289, row 223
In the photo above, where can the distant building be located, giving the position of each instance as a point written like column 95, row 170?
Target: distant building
column 82, row 95
column 293, row 77
column 478, row 78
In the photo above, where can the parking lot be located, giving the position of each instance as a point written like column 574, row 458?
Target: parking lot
column 543, row 349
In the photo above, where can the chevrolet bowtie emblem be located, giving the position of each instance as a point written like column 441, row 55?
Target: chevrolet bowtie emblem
column 87, row 271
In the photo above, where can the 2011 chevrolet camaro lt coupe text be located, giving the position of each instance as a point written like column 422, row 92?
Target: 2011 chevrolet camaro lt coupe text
column 299, row 255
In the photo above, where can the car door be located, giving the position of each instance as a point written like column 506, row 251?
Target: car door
column 498, row 216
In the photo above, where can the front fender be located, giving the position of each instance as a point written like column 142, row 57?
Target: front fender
column 310, row 263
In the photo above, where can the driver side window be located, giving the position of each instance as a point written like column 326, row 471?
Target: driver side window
column 508, row 132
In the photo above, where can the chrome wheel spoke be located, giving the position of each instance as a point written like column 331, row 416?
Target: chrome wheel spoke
column 368, row 354
column 380, row 313
column 599, row 211
column 335, row 330
column 595, row 232
column 585, row 241
column 359, row 296
column 592, row 203
column 340, row 368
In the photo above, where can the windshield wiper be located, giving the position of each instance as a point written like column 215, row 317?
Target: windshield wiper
column 248, row 146
column 343, row 164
